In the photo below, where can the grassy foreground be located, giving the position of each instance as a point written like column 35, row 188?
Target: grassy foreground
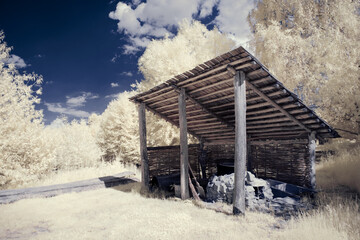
column 113, row 214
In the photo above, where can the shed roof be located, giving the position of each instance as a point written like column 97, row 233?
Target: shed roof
column 273, row 112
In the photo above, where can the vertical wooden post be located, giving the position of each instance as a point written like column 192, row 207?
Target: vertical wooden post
column 312, row 152
column 143, row 147
column 240, row 143
column 184, row 154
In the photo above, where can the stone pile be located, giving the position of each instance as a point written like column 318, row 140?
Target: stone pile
column 258, row 194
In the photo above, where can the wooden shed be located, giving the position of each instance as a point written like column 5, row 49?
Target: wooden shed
column 239, row 112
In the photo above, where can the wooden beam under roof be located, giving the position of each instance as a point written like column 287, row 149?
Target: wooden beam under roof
column 168, row 119
column 211, row 113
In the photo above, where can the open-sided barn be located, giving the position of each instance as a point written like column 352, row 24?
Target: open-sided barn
column 240, row 113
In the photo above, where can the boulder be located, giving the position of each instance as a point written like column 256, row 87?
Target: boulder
column 258, row 194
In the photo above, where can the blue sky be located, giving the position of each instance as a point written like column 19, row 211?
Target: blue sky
column 87, row 51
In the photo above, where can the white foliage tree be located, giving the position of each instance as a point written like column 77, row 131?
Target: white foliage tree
column 28, row 151
column 313, row 47
column 73, row 145
column 20, row 123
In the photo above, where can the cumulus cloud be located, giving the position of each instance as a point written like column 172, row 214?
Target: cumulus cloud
column 129, row 74
column 80, row 101
column 232, row 19
column 114, row 85
column 206, row 7
column 72, row 105
column 151, row 19
column 143, row 21
column 16, row 60
column 58, row 108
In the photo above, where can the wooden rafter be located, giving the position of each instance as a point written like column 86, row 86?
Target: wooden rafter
column 168, row 119
column 211, row 113
column 277, row 106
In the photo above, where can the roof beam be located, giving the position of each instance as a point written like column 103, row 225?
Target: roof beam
column 220, row 119
column 168, row 119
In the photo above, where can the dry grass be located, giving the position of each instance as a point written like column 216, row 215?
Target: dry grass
column 338, row 212
column 111, row 214
column 126, row 214
column 342, row 168
column 337, row 217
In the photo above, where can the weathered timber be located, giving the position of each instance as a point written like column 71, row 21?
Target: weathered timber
column 240, row 143
column 221, row 68
column 193, row 191
column 312, row 155
column 184, row 154
column 198, row 186
column 211, row 113
column 275, row 105
column 169, row 120
column 143, row 148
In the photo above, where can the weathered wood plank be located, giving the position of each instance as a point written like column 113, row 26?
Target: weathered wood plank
column 145, row 179
column 275, row 105
column 184, row 152
column 240, row 143
column 312, row 153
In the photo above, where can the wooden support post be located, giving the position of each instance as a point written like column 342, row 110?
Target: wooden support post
column 143, row 147
column 184, row 154
column 312, row 152
column 240, row 143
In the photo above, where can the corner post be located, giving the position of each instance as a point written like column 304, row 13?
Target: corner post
column 240, row 143
column 143, row 147
column 184, row 154
column 312, row 153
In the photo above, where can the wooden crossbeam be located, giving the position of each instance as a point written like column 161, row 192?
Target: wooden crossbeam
column 168, row 119
column 211, row 113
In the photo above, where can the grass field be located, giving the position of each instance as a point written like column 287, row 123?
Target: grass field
column 124, row 213
column 114, row 214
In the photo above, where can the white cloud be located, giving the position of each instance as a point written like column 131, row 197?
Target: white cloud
column 152, row 19
column 72, row 104
column 113, row 96
column 136, row 2
column 16, row 60
column 114, row 85
column 114, row 58
column 141, row 22
column 130, row 49
column 232, row 19
column 58, row 108
column 80, row 101
column 206, row 7
column 129, row 74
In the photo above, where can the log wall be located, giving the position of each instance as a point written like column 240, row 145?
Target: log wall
column 284, row 161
